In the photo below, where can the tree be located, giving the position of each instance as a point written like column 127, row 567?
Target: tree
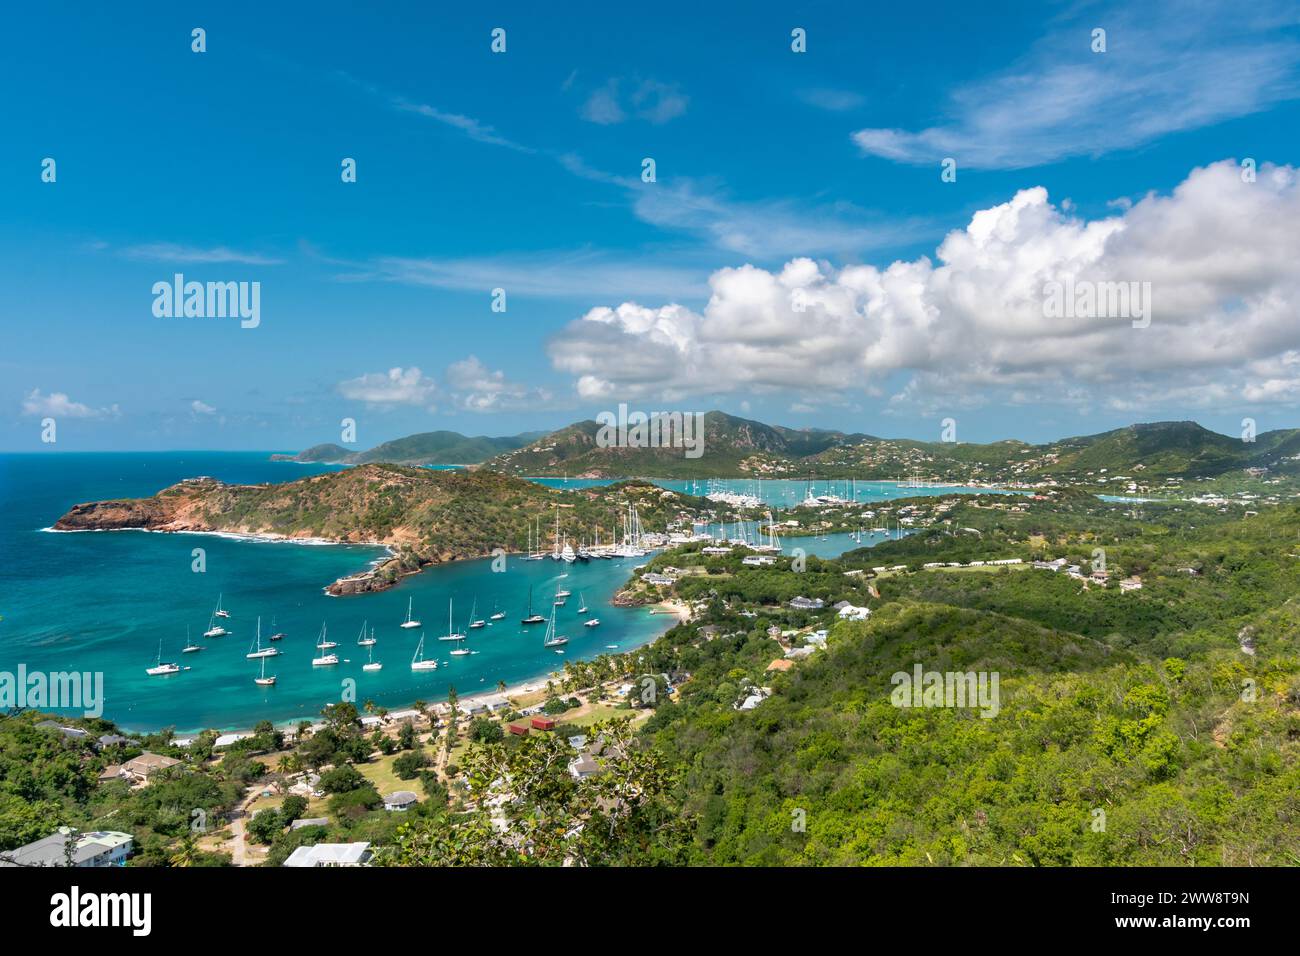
column 624, row 815
column 265, row 825
column 485, row 731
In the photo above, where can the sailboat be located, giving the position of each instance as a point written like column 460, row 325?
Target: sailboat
column 277, row 635
column 410, row 621
column 215, row 629
column 475, row 622
column 582, row 604
column 418, row 663
column 362, row 640
column 551, row 639
column 323, row 641
column 496, row 615
column 451, row 634
column 160, row 668
column 190, row 647
column 219, row 612
column 591, row 622
column 325, row 658
column 531, row 617
column 262, row 651
column 372, row 664
column 263, row 680
column 460, row 650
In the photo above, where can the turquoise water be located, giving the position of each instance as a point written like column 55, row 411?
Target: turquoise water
column 786, row 492
column 101, row 601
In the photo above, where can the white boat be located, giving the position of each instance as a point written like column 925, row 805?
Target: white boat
column 496, row 614
column 161, row 668
column 566, row 554
column 582, row 604
column 418, row 663
column 410, row 621
column 324, row 659
column 551, row 639
column 362, row 640
column 263, row 680
column 460, row 650
column 593, row 622
column 475, row 622
column 262, row 651
column 451, row 634
column 531, row 617
column 372, row 664
column 190, row 647
column 219, row 612
column 214, row 629
column 562, row 593
column 278, row 635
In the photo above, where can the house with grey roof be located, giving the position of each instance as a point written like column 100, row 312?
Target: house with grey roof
column 67, row 847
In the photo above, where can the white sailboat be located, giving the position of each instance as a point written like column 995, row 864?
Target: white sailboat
column 324, row 658
column 418, row 663
column 362, row 639
column 161, row 668
column 475, row 622
column 263, row 680
column 582, row 604
column 497, row 614
column 215, row 629
column 460, row 650
column 219, row 612
column 551, row 639
column 451, row 634
column 262, row 651
column 190, row 647
column 531, row 617
column 372, row 664
column 410, row 621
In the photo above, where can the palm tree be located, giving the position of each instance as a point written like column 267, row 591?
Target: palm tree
column 501, row 686
column 187, row 853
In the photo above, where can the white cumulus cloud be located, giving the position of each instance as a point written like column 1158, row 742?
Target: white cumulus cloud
column 971, row 324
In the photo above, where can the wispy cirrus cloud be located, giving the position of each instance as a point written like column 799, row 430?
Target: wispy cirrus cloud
column 551, row 275
column 648, row 99
column 177, row 252
column 1166, row 69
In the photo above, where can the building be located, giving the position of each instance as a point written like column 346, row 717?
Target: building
column 400, row 801
column 543, row 723
column 142, row 768
column 849, row 612
column 758, row 560
column 331, row 854
column 308, row 821
column 780, row 664
column 802, row 603
column 67, row 847
column 111, row 740
column 1131, row 584
column 518, row 728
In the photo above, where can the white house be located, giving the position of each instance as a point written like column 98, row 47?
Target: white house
column 331, row 854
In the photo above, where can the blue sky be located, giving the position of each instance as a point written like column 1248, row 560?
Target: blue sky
column 522, row 171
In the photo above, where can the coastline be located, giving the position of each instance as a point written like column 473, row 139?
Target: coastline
column 677, row 610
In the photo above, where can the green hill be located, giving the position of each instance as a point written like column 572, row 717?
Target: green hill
column 425, row 448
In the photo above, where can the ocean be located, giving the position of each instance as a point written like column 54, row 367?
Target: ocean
column 101, row 602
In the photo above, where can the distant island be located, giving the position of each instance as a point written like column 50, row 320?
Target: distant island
column 426, row 448
column 738, row 447
column 422, row 516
